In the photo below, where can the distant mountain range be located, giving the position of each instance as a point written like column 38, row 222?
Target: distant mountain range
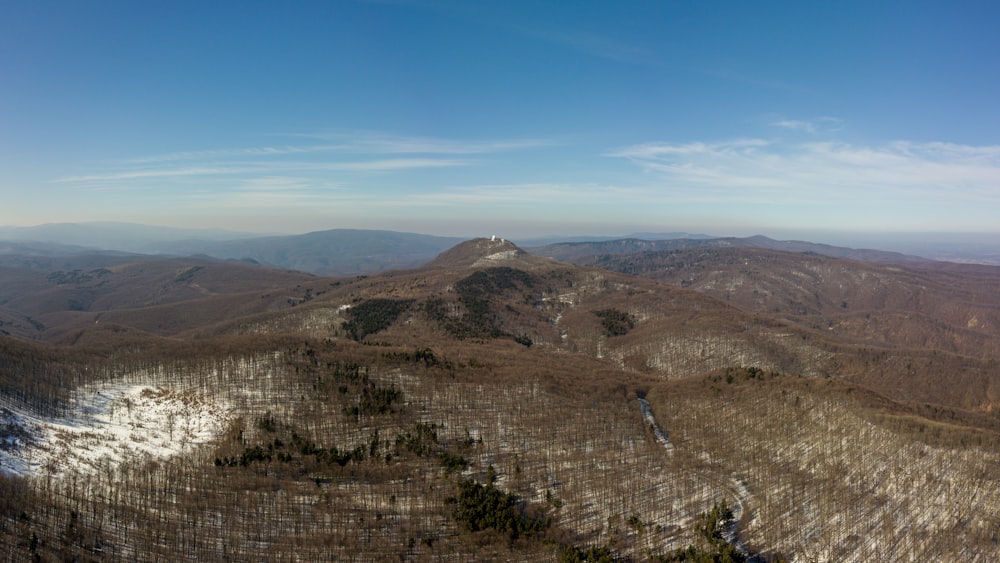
column 588, row 253
column 347, row 252
column 335, row 252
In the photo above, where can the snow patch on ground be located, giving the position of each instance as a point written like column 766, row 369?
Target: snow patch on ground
column 108, row 426
column 496, row 257
column 661, row 436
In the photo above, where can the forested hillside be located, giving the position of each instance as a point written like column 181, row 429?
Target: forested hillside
column 493, row 405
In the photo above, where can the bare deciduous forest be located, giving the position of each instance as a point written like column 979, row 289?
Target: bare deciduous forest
column 495, row 405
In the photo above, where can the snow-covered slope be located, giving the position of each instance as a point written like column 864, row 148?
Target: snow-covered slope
column 108, row 425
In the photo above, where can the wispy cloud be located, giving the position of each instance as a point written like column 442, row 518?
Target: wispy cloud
column 382, row 143
column 796, row 125
column 270, row 193
column 354, row 143
column 763, row 171
column 768, row 83
column 591, row 44
column 255, row 152
column 147, row 173
column 818, row 125
column 650, row 152
column 382, row 165
column 363, row 151
column 349, row 152
column 326, row 169
column 499, row 194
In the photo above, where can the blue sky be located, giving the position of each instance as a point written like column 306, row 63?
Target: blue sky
column 524, row 118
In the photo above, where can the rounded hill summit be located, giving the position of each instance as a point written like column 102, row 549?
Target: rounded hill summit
column 482, row 252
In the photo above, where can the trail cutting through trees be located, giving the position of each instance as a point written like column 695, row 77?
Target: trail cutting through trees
column 730, row 483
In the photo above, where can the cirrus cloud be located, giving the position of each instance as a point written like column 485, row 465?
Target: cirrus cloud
column 761, row 170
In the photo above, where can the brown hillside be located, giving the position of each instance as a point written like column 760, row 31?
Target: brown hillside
column 633, row 324
column 947, row 307
column 52, row 302
column 376, row 417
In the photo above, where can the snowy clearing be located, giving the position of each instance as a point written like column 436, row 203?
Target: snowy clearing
column 109, row 425
column 496, row 257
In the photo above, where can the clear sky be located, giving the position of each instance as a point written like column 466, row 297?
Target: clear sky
column 516, row 117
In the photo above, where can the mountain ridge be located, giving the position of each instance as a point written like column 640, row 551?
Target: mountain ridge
column 587, row 252
column 388, row 409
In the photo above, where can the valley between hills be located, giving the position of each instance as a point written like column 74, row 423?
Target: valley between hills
column 626, row 402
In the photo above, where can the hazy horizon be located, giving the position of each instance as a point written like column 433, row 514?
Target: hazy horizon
column 983, row 248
